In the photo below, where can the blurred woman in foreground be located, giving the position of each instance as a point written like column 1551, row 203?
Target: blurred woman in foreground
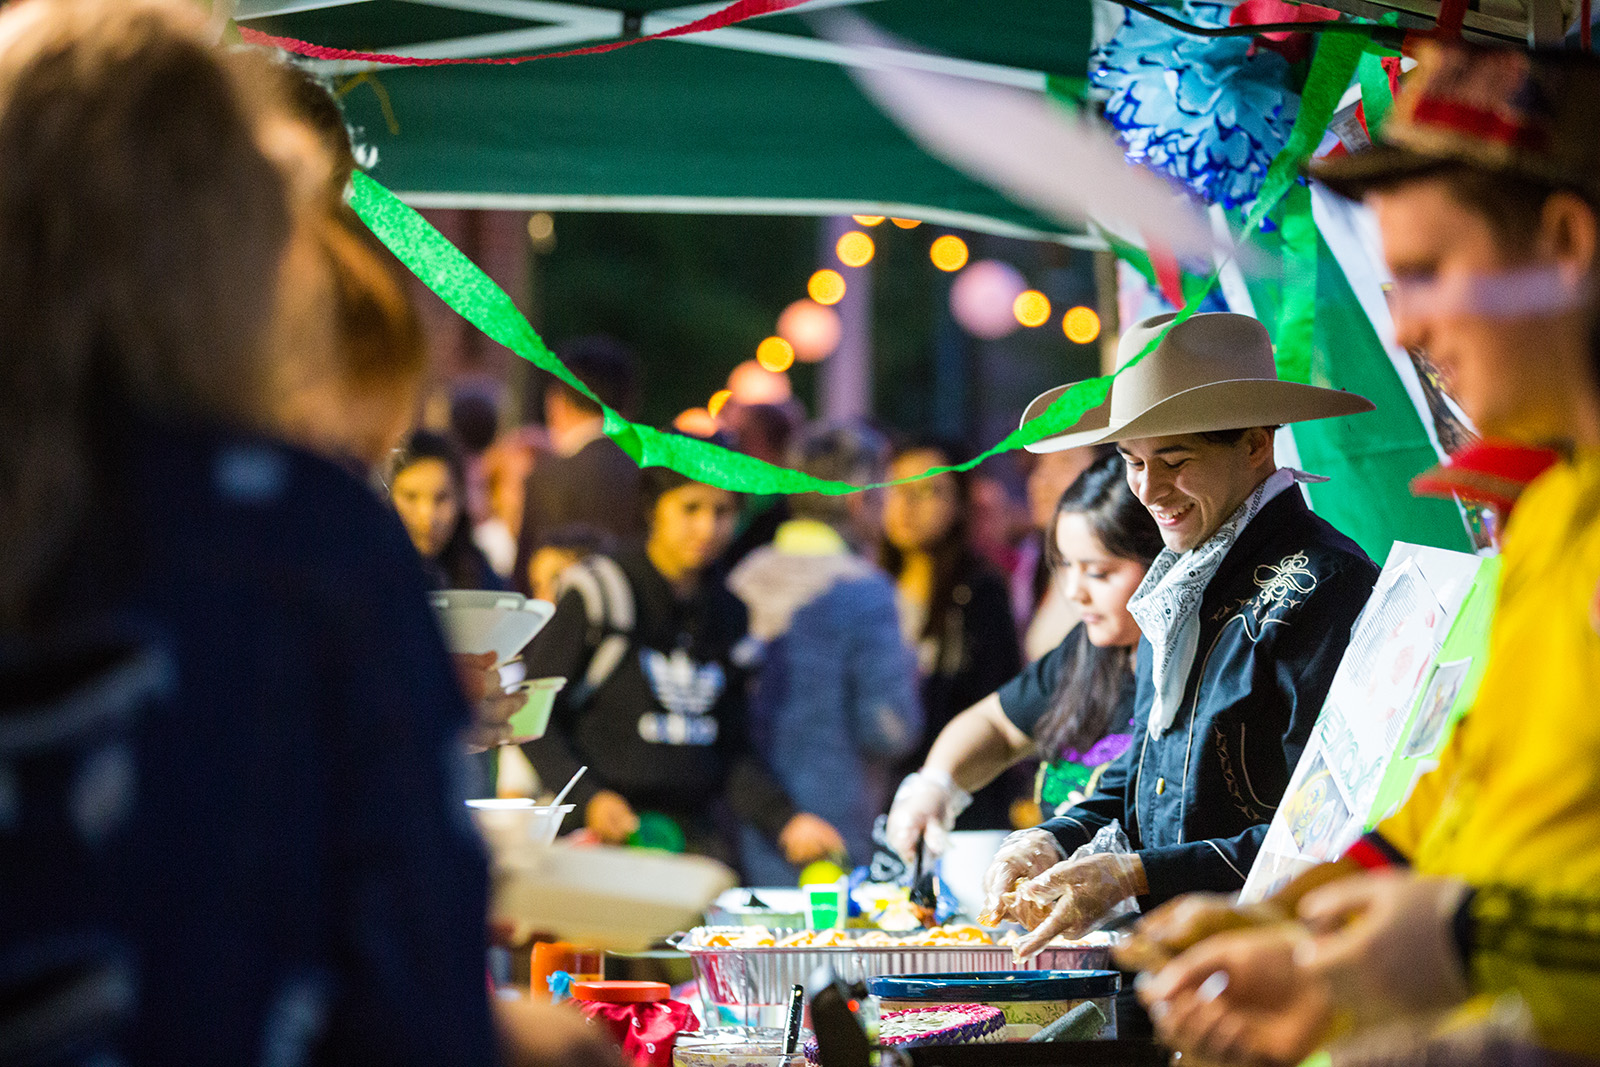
column 270, row 862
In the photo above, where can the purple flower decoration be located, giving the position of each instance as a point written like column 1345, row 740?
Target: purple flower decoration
column 1203, row 110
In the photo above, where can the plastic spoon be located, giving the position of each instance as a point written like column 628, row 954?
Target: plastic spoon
column 556, row 803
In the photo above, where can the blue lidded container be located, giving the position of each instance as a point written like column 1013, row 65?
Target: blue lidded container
column 1031, row 1000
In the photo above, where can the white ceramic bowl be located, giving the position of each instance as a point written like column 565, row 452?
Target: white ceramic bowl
column 476, row 621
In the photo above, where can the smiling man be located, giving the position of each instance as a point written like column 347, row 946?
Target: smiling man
column 1245, row 615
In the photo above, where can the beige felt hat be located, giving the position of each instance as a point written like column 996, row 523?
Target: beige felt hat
column 1210, row 372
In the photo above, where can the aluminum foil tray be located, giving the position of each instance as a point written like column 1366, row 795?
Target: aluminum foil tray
column 750, row 986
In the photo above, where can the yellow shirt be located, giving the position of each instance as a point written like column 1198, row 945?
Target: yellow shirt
column 1516, row 796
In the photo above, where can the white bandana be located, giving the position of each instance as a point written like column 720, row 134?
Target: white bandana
column 1167, row 603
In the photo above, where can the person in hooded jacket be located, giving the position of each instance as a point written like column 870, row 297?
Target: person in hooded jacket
column 835, row 702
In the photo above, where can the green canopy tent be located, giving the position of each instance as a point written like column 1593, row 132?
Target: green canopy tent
column 758, row 118
column 763, row 118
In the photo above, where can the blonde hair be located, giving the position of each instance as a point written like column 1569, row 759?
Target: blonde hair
column 141, row 233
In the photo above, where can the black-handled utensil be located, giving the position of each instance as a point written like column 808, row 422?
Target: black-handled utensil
column 924, row 896
column 791, row 1025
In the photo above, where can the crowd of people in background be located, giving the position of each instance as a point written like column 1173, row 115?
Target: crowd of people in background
column 833, row 638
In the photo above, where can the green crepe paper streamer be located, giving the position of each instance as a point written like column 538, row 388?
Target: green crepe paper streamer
column 1069, row 92
column 1297, row 314
column 474, row 296
column 1331, row 70
column 1377, row 99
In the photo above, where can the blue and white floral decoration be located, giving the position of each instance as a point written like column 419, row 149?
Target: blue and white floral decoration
column 1203, row 110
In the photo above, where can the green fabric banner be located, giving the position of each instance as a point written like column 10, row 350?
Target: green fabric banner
column 1377, row 99
column 1370, row 458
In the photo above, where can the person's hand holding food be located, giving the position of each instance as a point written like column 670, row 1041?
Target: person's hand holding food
column 1072, row 897
column 1023, row 855
column 1385, row 942
column 1241, row 998
column 492, row 707
column 1186, row 921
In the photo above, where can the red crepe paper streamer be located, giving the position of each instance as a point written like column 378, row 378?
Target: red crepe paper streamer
column 1292, row 46
column 1169, row 276
column 738, row 11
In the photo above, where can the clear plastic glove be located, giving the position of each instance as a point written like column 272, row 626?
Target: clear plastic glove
column 1020, row 857
column 1074, row 896
column 925, row 809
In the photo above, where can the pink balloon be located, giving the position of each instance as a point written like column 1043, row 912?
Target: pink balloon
column 751, row 383
column 811, row 328
column 982, row 296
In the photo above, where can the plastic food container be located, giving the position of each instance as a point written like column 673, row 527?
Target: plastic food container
column 476, row 621
column 533, row 718
column 510, row 825
column 734, row 1048
column 1031, row 1000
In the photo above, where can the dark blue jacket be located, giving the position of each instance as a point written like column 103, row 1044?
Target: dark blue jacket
column 1275, row 621
column 295, row 879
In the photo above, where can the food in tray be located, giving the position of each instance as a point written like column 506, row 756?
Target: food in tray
column 1010, row 939
column 761, row 937
column 734, row 937
column 952, row 935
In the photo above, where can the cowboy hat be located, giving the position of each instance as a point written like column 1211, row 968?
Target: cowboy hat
column 1210, row 372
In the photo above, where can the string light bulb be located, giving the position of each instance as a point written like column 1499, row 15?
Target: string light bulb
column 949, row 253
column 826, row 287
column 855, row 249
column 1031, row 307
column 1081, row 325
column 775, row 354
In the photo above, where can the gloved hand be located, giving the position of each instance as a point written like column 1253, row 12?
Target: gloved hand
column 1070, row 898
column 925, row 809
column 1021, row 856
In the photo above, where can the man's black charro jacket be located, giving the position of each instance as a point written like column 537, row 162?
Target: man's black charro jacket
column 1274, row 623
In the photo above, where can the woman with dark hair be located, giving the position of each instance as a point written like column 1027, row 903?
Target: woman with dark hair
column 955, row 610
column 429, row 490
column 650, row 641
column 1073, row 706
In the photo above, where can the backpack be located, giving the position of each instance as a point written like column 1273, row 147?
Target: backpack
column 608, row 605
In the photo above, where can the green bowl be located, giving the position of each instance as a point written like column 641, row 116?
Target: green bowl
column 534, row 717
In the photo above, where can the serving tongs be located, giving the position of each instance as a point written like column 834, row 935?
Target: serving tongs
column 924, row 896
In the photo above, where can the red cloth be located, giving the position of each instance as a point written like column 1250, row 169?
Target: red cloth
column 646, row 1032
